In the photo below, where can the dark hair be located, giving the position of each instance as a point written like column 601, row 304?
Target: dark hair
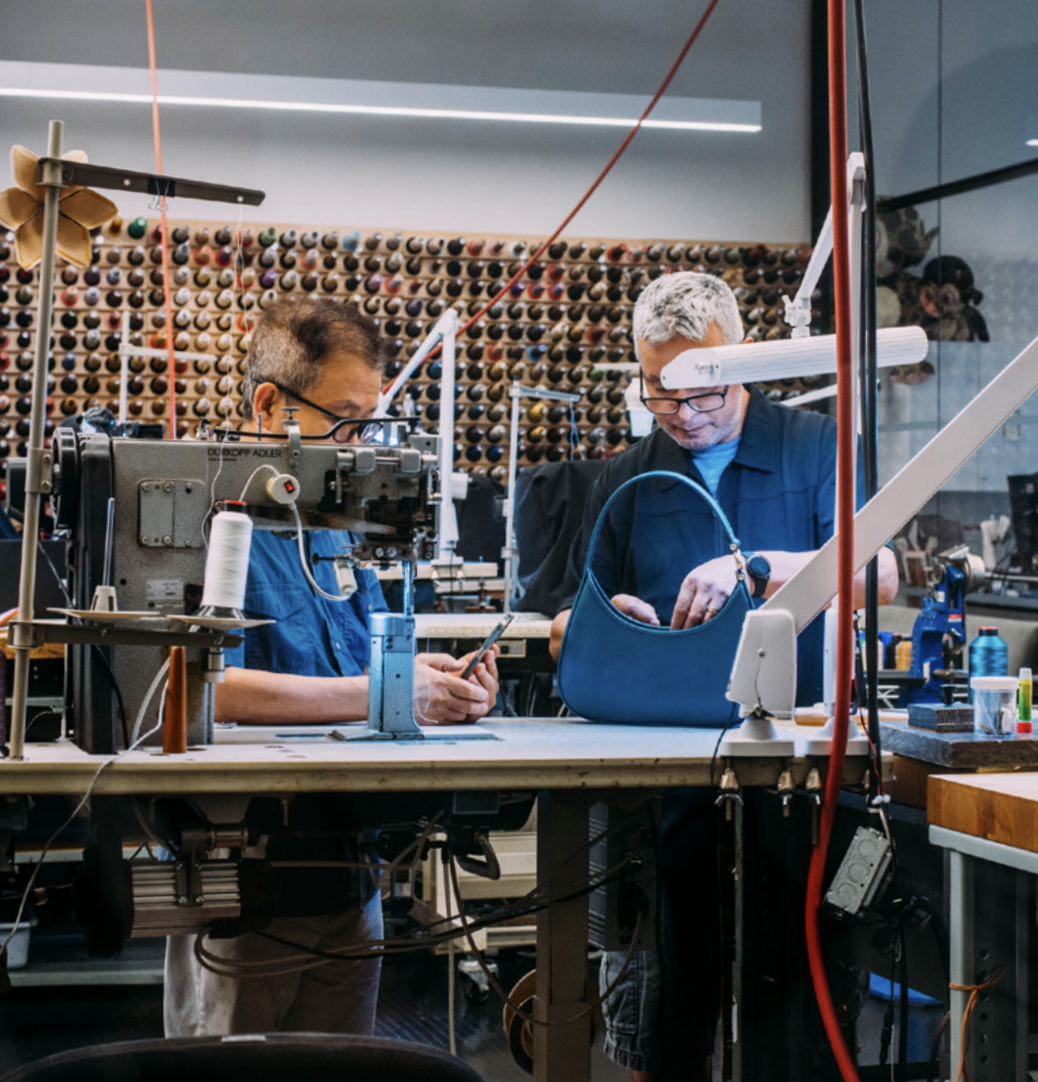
column 293, row 338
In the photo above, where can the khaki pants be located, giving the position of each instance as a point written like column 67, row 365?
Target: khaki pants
column 339, row 997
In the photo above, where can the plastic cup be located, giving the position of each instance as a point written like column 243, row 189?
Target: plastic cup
column 994, row 704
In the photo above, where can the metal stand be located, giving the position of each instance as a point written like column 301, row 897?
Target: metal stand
column 38, row 466
column 509, row 553
column 54, row 173
column 391, row 678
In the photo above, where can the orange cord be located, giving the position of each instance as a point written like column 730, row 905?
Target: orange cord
column 997, row 972
column 845, row 529
column 594, row 187
column 164, row 241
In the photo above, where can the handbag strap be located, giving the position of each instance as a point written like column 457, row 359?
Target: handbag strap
column 696, row 487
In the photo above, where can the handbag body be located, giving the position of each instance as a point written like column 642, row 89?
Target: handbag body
column 615, row 669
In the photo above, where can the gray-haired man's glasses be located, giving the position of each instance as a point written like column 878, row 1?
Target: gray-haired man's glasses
column 699, row 403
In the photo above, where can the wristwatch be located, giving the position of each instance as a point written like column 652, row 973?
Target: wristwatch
column 758, row 568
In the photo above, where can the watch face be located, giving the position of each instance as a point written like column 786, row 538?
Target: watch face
column 759, row 566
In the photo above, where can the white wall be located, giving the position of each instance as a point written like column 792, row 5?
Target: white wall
column 444, row 175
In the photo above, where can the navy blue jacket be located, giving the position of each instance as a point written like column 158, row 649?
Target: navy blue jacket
column 779, row 493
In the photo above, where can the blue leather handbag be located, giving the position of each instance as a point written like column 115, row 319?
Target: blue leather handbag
column 616, row 669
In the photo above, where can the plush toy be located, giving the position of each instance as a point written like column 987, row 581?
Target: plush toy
column 953, row 316
column 943, row 301
column 901, row 242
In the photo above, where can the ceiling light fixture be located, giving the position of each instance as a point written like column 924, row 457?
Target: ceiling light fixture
column 276, row 93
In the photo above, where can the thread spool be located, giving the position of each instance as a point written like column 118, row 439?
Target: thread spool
column 988, row 655
column 227, row 566
column 903, row 655
column 174, row 726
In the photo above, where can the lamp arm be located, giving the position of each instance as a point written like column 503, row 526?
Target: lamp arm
column 812, row 587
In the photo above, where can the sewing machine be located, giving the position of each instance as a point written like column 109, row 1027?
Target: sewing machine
column 155, row 550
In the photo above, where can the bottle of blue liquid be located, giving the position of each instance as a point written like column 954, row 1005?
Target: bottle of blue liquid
column 988, row 655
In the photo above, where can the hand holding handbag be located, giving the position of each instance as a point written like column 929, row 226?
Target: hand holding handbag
column 616, row 669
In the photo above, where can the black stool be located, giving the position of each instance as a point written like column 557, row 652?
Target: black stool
column 259, row 1058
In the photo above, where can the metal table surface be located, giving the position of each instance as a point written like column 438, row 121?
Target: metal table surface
column 570, row 762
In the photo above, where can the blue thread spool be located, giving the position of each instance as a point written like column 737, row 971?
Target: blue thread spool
column 988, row 655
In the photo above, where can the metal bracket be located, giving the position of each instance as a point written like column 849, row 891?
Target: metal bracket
column 88, row 175
column 39, row 462
column 295, row 444
column 28, row 634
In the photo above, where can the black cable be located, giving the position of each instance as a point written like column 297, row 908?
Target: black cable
column 887, row 1029
column 870, row 401
column 902, row 1035
column 424, row 943
column 98, row 650
column 118, row 691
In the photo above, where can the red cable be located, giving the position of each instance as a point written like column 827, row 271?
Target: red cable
column 163, row 243
column 598, row 180
column 845, row 527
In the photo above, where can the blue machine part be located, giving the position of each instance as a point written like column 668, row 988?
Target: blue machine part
column 942, row 613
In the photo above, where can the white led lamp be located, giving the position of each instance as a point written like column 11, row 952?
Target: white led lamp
column 787, row 358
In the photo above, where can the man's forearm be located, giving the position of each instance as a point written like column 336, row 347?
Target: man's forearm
column 784, row 565
column 269, row 698
column 558, row 629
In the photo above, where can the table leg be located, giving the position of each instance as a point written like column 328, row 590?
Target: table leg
column 960, row 921
column 989, row 926
column 562, row 1053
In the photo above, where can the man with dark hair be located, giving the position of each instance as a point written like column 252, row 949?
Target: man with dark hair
column 309, row 666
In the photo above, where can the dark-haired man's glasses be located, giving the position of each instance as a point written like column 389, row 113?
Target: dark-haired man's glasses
column 698, row 403
column 348, row 429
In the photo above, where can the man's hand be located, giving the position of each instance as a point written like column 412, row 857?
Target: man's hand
column 484, row 675
column 442, row 697
column 636, row 609
column 703, row 593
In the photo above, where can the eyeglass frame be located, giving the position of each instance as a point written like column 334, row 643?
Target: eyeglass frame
column 679, row 402
column 367, row 433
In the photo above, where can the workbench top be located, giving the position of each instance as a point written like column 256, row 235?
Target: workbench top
column 958, row 751
column 535, row 753
column 478, row 625
column 997, row 807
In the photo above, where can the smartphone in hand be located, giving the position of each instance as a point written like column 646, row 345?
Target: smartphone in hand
column 489, row 641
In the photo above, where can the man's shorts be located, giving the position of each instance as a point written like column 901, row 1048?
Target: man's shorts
column 631, row 1010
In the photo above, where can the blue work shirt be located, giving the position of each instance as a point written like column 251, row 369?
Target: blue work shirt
column 779, row 493
column 312, row 636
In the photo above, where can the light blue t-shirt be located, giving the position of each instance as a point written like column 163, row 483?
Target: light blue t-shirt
column 711, row 462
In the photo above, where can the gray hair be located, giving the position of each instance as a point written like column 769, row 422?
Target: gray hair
column 293, row 339
column 684, row 305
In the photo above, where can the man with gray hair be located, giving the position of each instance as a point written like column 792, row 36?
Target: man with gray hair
column 772, row 469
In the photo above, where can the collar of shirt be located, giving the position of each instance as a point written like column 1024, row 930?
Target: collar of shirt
column 758, row 443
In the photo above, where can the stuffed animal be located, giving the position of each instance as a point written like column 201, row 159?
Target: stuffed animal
column 952, row 314
column 901, row 242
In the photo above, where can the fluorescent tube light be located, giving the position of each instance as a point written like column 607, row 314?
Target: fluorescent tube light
column 276, row 93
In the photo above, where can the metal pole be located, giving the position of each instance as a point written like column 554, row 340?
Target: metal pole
column 448, row 524
column 513, row 466
column 37, row 478
column 124, row 366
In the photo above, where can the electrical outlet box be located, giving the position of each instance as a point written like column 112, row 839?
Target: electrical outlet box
column 861, row 873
